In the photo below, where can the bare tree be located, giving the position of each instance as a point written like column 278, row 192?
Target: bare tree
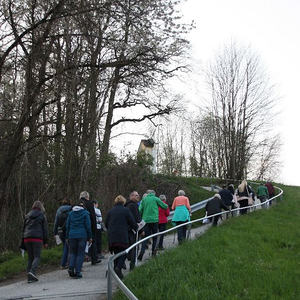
column 241, row 110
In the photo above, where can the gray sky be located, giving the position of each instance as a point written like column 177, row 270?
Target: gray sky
column 271, row 28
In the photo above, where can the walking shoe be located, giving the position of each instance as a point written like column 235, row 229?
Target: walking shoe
column 32, row 277
column 132, row 265
column 96, row 262
column 119, row 272
column 71, row 273
column 78, row 275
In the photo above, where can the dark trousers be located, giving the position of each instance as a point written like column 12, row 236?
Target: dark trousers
column 243, row 203
column 181, row 232
column 161, row 227
column 120, row 261
column 132, row 253
column 98, row 236
column 34, row 250
column 93, row 249
column 263, row 199
column 150, row 228
column 215, row 219
column 77, row 248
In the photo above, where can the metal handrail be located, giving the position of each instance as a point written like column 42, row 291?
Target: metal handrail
column 111, row 272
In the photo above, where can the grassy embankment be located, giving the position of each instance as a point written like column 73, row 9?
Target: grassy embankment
column 251, row 257
column 12, row 263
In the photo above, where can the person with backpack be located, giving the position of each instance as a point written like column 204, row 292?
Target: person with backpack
column 35, row 234
column 60, row 228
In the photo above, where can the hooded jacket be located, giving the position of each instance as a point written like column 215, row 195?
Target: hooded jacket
column 36, row 226
column 78, row 224
column 149, row 208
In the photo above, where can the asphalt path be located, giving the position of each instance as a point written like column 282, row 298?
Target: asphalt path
column 93, row 284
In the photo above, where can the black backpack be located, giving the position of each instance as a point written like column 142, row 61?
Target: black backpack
column 61, row 222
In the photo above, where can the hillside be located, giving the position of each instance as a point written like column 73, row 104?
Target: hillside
column 252, row 257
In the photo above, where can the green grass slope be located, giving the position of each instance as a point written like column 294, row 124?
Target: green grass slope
column 256, row 256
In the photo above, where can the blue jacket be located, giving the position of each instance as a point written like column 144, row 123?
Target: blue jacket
column 78, row 224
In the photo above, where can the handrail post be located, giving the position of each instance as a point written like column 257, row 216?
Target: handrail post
column 109, row 283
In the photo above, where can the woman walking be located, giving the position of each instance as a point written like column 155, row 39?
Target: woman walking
column 35, row 234
column 78, row 232
column 162, row 221
column 244, row 196
column 119, row 221
column 182, row 213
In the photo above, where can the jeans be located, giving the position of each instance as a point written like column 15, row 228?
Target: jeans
column 65, row 255
column 150, row 228
column 34, row 250
column 77, row 248
column 181, row 232
column 161, row 227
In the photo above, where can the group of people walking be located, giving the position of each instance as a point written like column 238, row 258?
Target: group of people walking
column 244, row 196
column 79, row 227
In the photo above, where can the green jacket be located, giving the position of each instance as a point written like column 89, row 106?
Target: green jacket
column 149, row 208
column 262, row 191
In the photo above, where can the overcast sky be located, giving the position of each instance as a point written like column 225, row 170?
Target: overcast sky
column 271, row 28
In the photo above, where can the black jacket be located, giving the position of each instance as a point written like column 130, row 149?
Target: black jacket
column 215, row 206
column 226, row 196
column 36, row 226
column 134, row 209
column 89, row 206
column 118, row 222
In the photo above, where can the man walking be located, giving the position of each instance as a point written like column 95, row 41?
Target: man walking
column 89, row 206
column 132, row 205
column 149, row 211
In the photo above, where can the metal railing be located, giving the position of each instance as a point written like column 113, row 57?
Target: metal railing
column 111, row 272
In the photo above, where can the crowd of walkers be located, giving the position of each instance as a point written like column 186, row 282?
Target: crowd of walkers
column 79, row 227
column 244, row 196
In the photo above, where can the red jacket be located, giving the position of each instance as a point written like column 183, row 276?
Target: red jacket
column 163, row 214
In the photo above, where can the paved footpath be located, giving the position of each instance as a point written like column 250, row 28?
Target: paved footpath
column 58, row 285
